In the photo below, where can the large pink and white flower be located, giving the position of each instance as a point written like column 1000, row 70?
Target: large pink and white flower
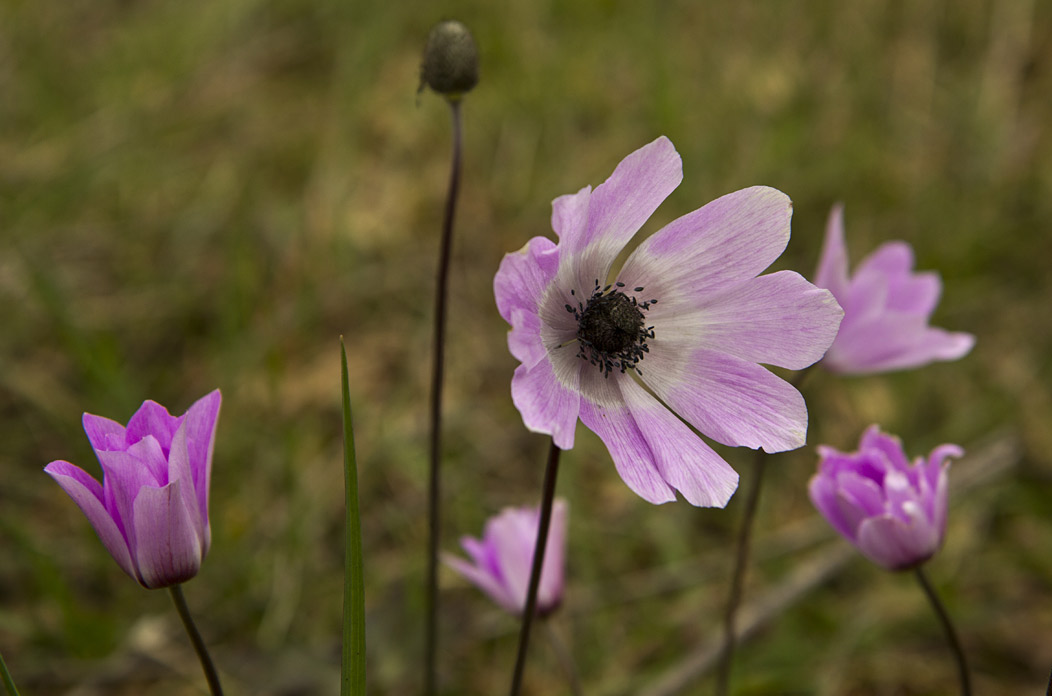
column 679, row 329
column 887, row 307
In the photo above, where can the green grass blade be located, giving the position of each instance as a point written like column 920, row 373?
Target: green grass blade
column 9, row 683
column 352, row 682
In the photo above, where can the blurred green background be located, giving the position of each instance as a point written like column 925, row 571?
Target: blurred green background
column 207, row 194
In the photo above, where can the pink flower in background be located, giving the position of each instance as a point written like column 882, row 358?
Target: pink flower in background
column 893, row 511
column 686, row 315
column 502, row 559
column 151, row 510
column 886, row 308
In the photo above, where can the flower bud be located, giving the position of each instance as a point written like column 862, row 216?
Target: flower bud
column 451, row 60
column 893, row 511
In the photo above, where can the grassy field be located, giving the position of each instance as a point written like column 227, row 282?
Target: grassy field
column 208, row 194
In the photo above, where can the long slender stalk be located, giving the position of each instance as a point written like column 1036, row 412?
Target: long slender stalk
column 352, row 678
column 9, row 683
column 195, row 637
column 551, row 472
column 437, row 371
column 564, row 657
column 741, row 562
column 947, row 626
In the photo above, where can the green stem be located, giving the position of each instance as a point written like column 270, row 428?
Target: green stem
column 195, row 637
column 9, row 683
column 352, row 682
column 551, row 472
column 741, row 561
column 437, row 369
column 947, row 626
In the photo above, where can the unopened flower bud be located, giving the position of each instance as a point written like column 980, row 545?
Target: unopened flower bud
column 451, row 60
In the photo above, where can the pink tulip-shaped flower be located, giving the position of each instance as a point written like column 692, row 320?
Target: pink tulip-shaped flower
column 686, row 315
column 151, row 510
column 893, row 511
column 886, row 308
column 502, row 559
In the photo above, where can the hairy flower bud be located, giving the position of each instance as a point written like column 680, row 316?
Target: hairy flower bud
column 451, row 60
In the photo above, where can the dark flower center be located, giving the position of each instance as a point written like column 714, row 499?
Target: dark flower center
column 611, row 329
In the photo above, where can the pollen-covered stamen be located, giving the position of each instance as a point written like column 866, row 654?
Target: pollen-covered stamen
column 611, row 329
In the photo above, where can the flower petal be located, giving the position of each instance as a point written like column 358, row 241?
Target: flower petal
column 199, row 426
column 823, row 492
column 87, row 493
column 778, row 319
column 616, row 209
column 512, row 536
column 124, row 475
column 832, row 270
column 152, row 419
column 888, row 445
column 889, row 259
column 550, row 592
column 605, row 413
column 725, row 242
column 682, row 458
column 916, row 293
column 890, row 543
column 894, row 342
column 103, row 433
column 483, row 580
column 733, row 401
column 524, row 277
column 168, row 549
column 547, row 404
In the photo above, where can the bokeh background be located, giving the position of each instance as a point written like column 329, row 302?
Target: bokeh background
column 208, row 194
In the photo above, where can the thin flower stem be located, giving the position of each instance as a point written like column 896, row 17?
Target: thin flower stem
column 564, row 657
column 195, row 637
column 951, row 634
column 741, row 562
column 9, row 683
column 437, row 369
column 551, row 471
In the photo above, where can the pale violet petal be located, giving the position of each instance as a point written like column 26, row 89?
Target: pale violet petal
column 547, row 404
column 779, row 319
column 168, row 549
column 733, row 401
column 86, row 492
column 524, row 277
column 832, row 270
column 725, row 242
column 604, row 412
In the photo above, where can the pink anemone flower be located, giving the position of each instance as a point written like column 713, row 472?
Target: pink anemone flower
column 887, row 307
column 894, row 512
column 503, row 558
column 151, row 509
column 675, row 334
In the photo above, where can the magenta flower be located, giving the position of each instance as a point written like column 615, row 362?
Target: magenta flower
column 686, row 314
column 886, row 308
column 501, row 560
column 893, row 511
column 151, row 510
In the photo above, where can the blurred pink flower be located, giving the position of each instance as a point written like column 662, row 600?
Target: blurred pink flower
column 674, row 338
column 501, row 560
column 886, row 308
column 151, row 510
column 894, row 512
